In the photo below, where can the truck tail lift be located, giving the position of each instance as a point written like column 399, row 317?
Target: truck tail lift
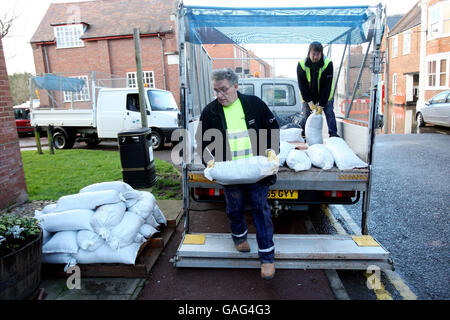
column 337, row 27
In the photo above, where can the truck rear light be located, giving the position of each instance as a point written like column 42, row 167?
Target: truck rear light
column 208, row 192
column 339, row 194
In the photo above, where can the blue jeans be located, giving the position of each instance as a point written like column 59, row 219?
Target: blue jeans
column 256, row 194
column 329, row 115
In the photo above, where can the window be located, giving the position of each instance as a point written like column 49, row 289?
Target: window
column 161, row 100
column 68, row 36
column 133, row 102
column 439, row 19
column 247, row 89
column 438, row 72
column 443, row 73
column 147, row 77
column 278, row 95
column 407, row 42
column 432, row 73
column 394, row 47
column 82, row 95
column 394, row 84
column 440, row 98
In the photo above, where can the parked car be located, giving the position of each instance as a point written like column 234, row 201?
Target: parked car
column 22, row 115
column 435, row 111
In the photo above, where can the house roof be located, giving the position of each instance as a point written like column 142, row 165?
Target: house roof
column 409, row 20
column 392, row 20
column 108, row 18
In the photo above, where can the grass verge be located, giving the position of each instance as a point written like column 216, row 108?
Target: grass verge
column 50, row 177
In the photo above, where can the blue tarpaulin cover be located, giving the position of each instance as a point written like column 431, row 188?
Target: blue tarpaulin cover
column 278, row 25
column 58, row 83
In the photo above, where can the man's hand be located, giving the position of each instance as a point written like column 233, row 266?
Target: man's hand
column 319, row 109
column 271, row 155
column 312, row 106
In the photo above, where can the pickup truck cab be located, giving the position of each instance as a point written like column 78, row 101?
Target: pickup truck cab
column 115, row 110
column 281, row 95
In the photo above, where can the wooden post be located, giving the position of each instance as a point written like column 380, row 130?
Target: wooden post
column 50, row 139
column 37, row 136
column 142, row 105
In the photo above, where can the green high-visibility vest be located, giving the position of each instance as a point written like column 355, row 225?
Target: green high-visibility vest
column 307, row 70
column 238, row 138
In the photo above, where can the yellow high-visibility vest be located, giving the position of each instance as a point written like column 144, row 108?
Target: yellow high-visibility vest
column 307, row 70
column 238, row 138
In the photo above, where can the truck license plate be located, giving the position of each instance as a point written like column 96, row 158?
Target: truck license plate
column 283, row 194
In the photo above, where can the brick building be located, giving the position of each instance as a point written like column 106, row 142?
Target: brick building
column 243, row 61
column 435, row 48
column 78, row 38
column 13, row 189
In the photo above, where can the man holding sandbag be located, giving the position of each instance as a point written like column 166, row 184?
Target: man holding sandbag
column 315, row 80
column 237, row 116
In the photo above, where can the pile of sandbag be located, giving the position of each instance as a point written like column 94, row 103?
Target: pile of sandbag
column 104, row 223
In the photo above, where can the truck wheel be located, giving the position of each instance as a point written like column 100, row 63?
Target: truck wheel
column 157, row 140
column 420, row 121
column 62, row 141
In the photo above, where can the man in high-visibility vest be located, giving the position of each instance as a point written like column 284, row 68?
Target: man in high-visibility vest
column 234, row 114
column 315, row 80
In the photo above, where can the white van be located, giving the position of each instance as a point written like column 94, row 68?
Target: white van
column 281, row 95
column 116, row 110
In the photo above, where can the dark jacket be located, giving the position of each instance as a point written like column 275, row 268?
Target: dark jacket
column 311, row 93
column 257, row 116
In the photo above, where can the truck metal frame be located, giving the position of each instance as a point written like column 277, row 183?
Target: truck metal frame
column 196, row 92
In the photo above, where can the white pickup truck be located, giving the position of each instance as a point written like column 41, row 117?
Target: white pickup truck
column 116, row 109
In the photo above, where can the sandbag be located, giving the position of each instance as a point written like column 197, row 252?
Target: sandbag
column 298, row 160
column 242, row 171
column 285, row 148
column 88, row 200
column 125, row 232
column 89, row 240
column 313, row 128
column 106, row 217
column 147, row 230
column 105, row 254
column 145, row 205
column 159, row 216
column 62, row 242
column 291, row 134
column 49, row 208
column 152, row 221
column 59, row 258
column 124, row 188
column 344, row 157
column 77, row 219
column 320, row 156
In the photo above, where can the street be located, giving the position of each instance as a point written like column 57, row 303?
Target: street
column 408, row 216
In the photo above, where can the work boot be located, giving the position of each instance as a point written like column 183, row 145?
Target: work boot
column 243, row 246
column 267, row 271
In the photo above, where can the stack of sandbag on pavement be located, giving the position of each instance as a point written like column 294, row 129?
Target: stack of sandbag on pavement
column 300, row 156
column 105, row 222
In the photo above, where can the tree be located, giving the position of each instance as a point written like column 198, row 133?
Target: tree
column 19, row 85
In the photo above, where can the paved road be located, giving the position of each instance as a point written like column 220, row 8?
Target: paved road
column 409, row 212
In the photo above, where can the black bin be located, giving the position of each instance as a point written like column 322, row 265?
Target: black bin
column 136, row 157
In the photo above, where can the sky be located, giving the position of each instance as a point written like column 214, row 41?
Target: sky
column 17, row 48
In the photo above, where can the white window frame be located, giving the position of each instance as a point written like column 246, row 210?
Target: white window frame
column 439, row 10
column 394, row 84
column 83, row 95
column 68, row 36
column 148, row 78
column 437, row 59
column 407, row 42
column 394, row 46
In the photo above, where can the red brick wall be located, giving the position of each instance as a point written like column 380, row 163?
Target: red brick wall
column 12, row 179
column 114, row 56
column 404, row 63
